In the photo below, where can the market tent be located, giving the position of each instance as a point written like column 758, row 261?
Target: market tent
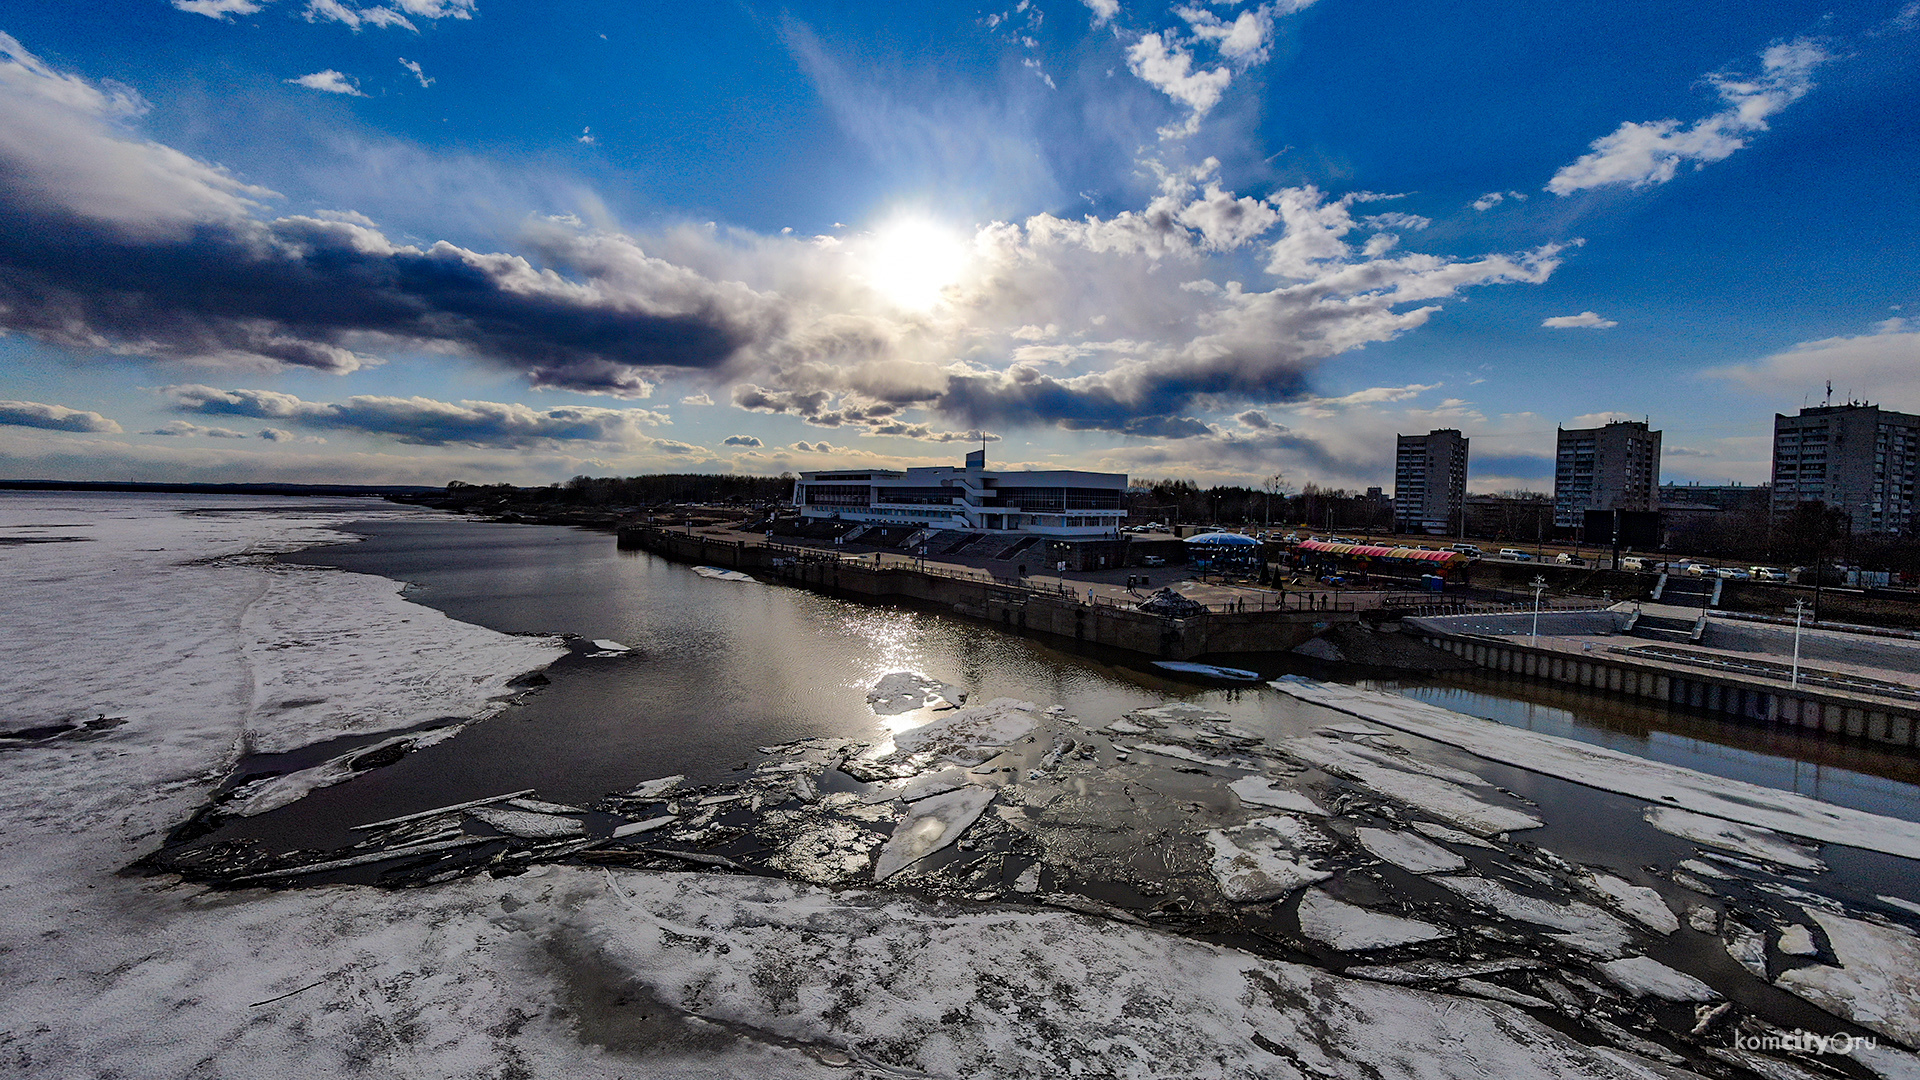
column 1446, row 559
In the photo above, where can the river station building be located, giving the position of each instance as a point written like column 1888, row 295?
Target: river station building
column 971, row 498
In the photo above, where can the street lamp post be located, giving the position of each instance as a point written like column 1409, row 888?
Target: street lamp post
column 1799, row 610
column 1539, row 585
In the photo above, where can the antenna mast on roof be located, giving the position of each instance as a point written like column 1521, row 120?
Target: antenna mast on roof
column 1829, row 400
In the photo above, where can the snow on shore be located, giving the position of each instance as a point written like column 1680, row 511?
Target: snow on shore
column 1610, row 770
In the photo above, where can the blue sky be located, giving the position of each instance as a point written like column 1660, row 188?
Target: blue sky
column 426, row 240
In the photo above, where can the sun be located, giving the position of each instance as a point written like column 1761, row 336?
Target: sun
column 911, row 261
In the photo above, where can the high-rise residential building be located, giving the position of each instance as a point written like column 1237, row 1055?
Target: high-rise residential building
column 1430, row 481
column 1857, row 457
column 1616, row 467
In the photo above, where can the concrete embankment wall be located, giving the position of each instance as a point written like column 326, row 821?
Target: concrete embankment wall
column 1013, row 607
column 1746, row 699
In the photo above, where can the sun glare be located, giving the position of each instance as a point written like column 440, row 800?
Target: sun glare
column 912, row 260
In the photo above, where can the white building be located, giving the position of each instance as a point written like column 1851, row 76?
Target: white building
column 1060, row 503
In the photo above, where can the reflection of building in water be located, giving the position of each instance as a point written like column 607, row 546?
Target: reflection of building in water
column 971, row 498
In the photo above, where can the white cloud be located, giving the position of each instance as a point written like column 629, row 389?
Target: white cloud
column 742, row 440
column 1494, row 198
column 184, row 429
column 586, row 136
column 1598, row 419
column 33, row 414
column 1166, row 65
column 1881, row 366
column 329, row 81
column 696, row 399
column 1396, row 220
column 1104, row 11
column 1585, row 318
column 220, row 9
column 414, row 67
column 1645, row 154
column 395, row 14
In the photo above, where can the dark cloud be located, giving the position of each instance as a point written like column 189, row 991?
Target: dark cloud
column 741, row 440
column 54, row 417
column 107, row 243
column 425, row 422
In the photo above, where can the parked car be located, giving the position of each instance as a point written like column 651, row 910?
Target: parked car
column 1471, row 551
column 1633, row 562
column 1566, row 558
column 1697, row 569
column 1731, row 573
column 1152, row 560
column 1770, row 573
column 1516, row 555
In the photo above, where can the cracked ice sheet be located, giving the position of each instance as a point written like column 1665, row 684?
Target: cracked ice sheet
column 971, row 735
column 947, row 990
column 1624, row 774
column 144, row 977
column 1877, row 984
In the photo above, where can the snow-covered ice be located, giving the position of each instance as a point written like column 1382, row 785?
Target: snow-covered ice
column 1265, row 858
column 1441, row 798
column 1352, row 928
column 1409, row 852
column 1260, row 791
column 1877, row 984
column 1796, row 940
column 1643, row 975
column 1584, row 927
column 1638, row 902
column 1611, row 770
column 528, row 826
column 1732, row 836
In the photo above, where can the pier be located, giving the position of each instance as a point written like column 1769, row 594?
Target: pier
column 1083, row 615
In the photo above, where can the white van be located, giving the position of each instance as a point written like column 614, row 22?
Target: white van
column 1515, row 554
column 1632, row 562
column 1471, row 551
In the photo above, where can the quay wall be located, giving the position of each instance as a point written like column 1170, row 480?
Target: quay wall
column 1014, row 607
column 1746, row 699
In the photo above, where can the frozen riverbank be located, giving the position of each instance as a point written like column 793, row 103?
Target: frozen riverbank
column 979, row 957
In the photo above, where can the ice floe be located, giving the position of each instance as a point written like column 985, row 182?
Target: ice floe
column 904, row 691
column 1260, row 791
column 1643, row 975
column 1744, row 839
column 1584, row 927
column 1796, row 940
column 931, row 824
column 528, row 826
column 1638, row 902
column 1877, row 984
column 1408, row 852
column 1441, row 798
column 971, row 735
column 1611, row 770
column 1351, row 928
column 1265, row 858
